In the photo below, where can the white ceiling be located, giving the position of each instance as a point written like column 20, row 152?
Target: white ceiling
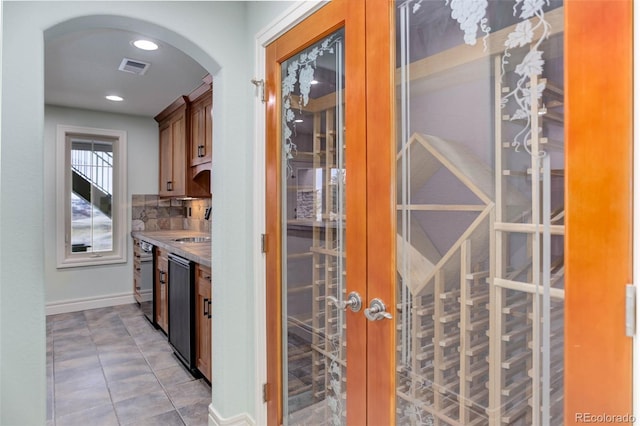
column 81, row 68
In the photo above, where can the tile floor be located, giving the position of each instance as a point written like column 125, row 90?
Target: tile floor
column 109, row 366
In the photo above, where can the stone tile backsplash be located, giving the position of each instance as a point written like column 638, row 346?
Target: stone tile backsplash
column 149, row 212
column 196, row 221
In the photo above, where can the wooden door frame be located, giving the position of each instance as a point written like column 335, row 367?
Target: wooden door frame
column 636, row 211
column 334, row 15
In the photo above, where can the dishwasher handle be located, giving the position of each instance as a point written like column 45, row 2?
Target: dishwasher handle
column 181, row 260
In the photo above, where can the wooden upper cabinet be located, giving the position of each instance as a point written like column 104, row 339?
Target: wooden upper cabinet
column 166, row 159
column 173, row 136
column 175, row 175
column 201, row 101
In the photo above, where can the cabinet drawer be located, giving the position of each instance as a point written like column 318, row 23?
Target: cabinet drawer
column 203, row 280
column 203, row 272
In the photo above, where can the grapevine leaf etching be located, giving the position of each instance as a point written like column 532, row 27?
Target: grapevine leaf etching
column 300, row 72
column 531, row 66
column 531, row 31
column 522, row 46
column 521, row 36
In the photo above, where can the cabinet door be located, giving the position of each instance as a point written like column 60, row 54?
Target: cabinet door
column 203, row 321
column 136, row 270
column 197, row 131
column 179, row 154
column 162, row 282
column 200, row 146
column 207, row 153
column 173, row 155
column 166, row 160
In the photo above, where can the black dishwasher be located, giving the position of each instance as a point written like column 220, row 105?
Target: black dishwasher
column 181, row 302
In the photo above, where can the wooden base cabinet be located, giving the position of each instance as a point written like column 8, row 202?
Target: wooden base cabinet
column 162, row 286
column 203, row 321
column 137, row 270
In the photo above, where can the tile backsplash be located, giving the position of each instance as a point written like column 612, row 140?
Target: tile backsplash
column 149, row 212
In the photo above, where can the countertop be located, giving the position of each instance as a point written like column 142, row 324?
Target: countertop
column 196, row 252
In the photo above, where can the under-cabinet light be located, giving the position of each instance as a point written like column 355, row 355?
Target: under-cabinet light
column 115, row 98
column 299, row 120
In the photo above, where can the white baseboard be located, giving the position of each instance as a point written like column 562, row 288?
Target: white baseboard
column 215, row 419
column 74, row 305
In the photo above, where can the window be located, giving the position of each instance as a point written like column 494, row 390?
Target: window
column 91, row 186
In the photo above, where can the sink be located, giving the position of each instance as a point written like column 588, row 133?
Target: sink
column 192, row 240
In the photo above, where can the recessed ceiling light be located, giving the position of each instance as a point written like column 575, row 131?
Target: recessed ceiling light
column 115, row 98
column 145, row 44
column 299, row 120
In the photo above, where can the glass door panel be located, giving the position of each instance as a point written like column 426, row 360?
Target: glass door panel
column 480, row 212
column 314, row 234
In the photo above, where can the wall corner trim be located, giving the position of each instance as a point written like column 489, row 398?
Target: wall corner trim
column 215, row 419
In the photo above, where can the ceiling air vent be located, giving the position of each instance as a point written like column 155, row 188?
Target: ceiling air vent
column 133, row 66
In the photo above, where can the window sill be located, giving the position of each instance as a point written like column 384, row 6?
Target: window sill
column 81, row 261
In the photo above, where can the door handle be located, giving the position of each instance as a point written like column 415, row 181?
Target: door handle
column 377, row 310
column 353, row 302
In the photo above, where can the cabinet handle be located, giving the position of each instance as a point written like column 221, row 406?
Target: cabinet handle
column 207, row 277
column 200, row 150
column 137, row 269
column 209, row 316
column 206, row 307
column 169, row 185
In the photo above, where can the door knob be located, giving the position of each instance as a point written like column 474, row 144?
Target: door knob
column 377, row 310
column 353, row 302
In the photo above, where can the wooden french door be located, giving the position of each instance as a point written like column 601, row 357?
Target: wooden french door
column 316, row 218
column 470, row 168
